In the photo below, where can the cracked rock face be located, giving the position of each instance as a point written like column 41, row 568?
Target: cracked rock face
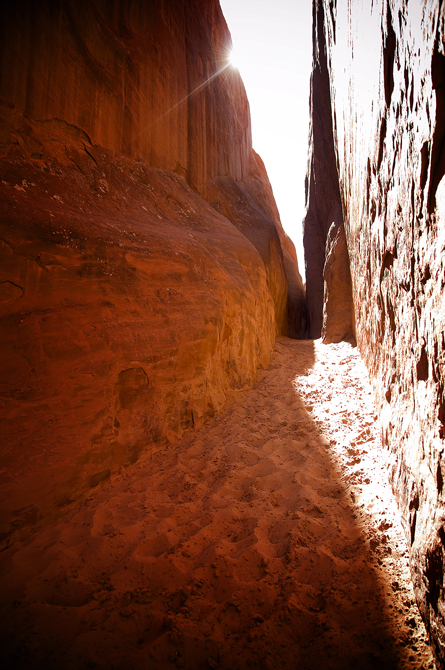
column 386, row 69
column 131, row 309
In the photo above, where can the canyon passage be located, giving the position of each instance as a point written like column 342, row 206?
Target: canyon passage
column 180, row 479
column 270, row 539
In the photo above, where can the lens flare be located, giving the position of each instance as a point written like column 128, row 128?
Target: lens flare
column 233, row 59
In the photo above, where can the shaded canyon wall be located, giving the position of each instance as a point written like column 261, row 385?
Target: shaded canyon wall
column 143, row 263
column 328, row 277
column 385, row 66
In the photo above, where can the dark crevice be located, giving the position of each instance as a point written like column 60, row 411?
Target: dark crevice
column 392, row 319
column 425, row 159
column 441, row 411
column 439, row 478
column 413, row 507
column 422, row 366
column 382, row 136
column 434, row 575
column 388, row 262
column 438, row 144
column 389, row 50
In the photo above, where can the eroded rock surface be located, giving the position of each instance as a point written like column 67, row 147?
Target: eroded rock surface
column 386, row 68
column 131, row 309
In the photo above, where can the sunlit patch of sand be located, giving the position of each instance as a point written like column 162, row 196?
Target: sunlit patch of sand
column 268, row 539
column 344, row 412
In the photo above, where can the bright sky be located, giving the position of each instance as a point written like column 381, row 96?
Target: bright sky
column 272, row 46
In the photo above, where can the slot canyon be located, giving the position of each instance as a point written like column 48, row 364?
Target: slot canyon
column 205, row 462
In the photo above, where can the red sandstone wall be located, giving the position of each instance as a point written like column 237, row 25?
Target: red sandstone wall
column 125, row 73
column 131, row 310
column 386, row 66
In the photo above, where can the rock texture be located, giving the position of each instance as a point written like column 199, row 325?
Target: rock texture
column 133, row 76
column 385, row 63
column 131, row 309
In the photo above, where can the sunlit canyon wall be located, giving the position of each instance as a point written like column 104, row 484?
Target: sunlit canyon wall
column 144, row 272
column 384, row 105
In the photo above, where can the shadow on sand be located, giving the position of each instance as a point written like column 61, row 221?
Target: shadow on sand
column 238, row 548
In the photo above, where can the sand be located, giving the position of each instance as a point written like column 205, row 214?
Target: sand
column 268, row 539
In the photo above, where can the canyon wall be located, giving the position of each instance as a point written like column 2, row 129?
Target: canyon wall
column 328, row 278
column 385, row 66
column 143, row 263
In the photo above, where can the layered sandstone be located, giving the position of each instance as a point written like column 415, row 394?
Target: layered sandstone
column 385, row 64
column 131, row 308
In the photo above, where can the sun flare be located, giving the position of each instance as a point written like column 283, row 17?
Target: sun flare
column 233, row 58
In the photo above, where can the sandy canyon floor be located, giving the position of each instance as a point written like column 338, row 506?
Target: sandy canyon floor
column 268, row 539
